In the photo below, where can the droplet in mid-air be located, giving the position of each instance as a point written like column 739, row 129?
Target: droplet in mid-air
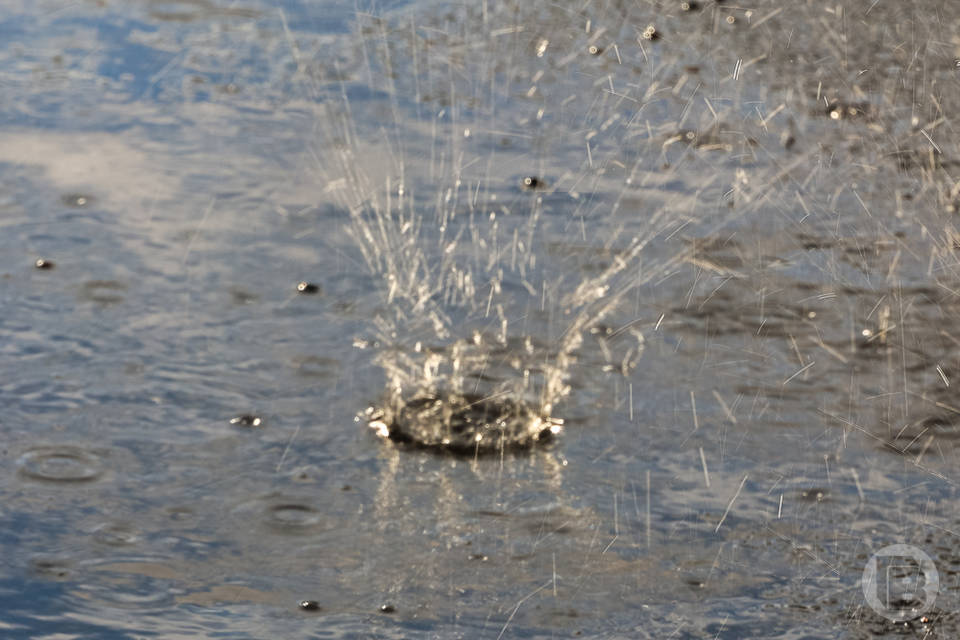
column 307, row 287
column 532, row 182
column 309, row 605
column 247, row 420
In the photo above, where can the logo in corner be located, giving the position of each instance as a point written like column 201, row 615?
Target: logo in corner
column 900, row 582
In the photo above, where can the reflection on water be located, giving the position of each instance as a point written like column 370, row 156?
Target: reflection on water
column 768, row 403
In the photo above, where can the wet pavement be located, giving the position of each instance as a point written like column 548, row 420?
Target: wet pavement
column 183, row 447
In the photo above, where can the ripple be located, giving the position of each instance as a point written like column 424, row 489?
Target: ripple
column 105, row 292
column 61, row 464
column 293, row 515
column 51, row 568
column 116, row 534
column 77, row 200
column 316, row 366
column 283, row 514
column 140, row 583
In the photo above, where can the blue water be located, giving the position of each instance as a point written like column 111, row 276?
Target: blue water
column 185, row 165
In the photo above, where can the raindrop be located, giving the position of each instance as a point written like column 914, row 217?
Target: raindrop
column 532, row 182
column 813, row 495
column 247, row 420
column 307, row 287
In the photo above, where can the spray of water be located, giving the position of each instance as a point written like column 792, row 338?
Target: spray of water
column 459, row 285
column 489, row 284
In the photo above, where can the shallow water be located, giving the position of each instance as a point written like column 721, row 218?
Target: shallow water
column 185, row 165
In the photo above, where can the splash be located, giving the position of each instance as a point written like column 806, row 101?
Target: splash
column 489, row 282
column 480, row 326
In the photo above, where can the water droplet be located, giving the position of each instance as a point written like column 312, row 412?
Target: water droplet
column 387, row 608
column 307, row 287
column 309, row 605
column 41, row 263
column 247, row 420
column 532, row 182
column 650, row 33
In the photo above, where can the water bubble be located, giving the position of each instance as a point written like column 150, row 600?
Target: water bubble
column 307, row 287
column 42, row 263
column 594, row 50
column 309, row 605
column 387, row 608
column 61, row 464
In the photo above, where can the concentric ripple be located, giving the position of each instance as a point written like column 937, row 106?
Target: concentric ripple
column 61, row 464
column 286, row 514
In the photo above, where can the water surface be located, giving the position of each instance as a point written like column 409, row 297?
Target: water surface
column 184, row 165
